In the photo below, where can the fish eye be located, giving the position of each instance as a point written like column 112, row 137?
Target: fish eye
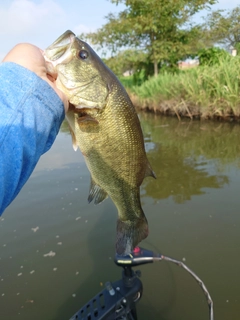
column 83, row 54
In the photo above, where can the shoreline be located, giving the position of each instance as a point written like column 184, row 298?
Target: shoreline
column 203, row 92
column 183, row 109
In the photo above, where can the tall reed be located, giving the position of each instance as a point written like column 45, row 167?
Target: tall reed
column 204, row 91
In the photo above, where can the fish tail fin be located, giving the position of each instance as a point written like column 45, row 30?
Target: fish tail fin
column 129, row 234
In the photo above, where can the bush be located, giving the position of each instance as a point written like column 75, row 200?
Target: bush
column 214, row 90
column 212, row 56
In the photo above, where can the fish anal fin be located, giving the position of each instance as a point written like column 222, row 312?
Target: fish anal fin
column 96, row 193
column 149, row 172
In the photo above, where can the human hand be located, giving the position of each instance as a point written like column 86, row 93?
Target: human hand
column 31, row 57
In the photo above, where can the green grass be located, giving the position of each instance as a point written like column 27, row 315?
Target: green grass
column 205, row 91
column 128, row 82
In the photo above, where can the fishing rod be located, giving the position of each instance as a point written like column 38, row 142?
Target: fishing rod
column 117, row 301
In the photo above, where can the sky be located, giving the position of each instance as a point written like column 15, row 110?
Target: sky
column 41, row 22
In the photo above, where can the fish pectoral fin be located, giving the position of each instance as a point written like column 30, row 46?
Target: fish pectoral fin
column 74, row 140
column 96, row 193
column 86, row 118
column 149, row 172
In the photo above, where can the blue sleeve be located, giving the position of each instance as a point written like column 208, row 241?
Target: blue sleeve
column 30, row 117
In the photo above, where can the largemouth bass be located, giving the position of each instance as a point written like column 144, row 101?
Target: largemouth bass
column 104, row 125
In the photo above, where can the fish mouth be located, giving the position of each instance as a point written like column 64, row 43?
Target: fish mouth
column 57, row 51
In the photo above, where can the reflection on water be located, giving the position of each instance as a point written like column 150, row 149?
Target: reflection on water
column 188, row 157
column 56, row 250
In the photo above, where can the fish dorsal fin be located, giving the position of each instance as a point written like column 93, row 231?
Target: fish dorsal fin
column 96, row 193
column 149, row 172
column 74, row 139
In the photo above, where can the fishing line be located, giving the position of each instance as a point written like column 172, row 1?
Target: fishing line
column 141, row 256
column 199, row 281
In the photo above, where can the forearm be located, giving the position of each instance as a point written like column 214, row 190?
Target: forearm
column 30, row 117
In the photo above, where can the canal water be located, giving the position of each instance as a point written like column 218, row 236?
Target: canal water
column 56, row 250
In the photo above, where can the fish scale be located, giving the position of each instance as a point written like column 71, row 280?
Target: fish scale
column 105, row 126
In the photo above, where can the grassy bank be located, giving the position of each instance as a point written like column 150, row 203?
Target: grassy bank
column 202, row 92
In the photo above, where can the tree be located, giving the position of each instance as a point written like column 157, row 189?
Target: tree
column 158, row 27
column 135, row 62
column 126, row 60
column 223, row 27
